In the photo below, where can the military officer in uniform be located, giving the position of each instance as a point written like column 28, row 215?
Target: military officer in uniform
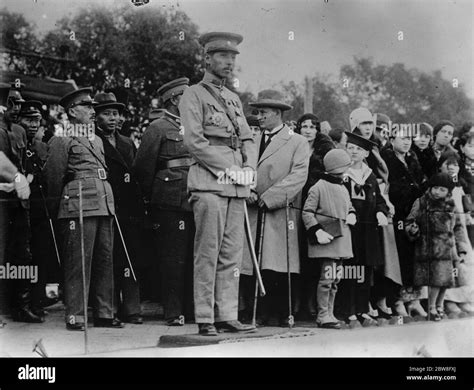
column 219, row 139
column 14, row 210
column 119, row 155
column 41, row 243
column 162, row 166
column 77, row 155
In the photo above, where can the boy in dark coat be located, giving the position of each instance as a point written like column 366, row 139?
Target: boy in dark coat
column 371, row 210
column 435, row 225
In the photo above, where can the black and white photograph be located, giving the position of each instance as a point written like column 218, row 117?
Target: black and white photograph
column 237, row 178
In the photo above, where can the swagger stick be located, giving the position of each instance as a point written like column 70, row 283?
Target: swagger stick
column 291, row 320
column 50, row 224
column 125, row 248
column 259, row 262
column 83, row 261
column 248, row 232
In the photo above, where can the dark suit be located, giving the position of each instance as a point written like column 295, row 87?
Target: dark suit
column 165, row 188
column 72, row 160
column 130, row 213
column 14, row 218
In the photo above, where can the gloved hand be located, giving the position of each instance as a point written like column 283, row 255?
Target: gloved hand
column 382, row 219
column 261, row 204
column 21, row 186
column 351, row 219
column 323, row 237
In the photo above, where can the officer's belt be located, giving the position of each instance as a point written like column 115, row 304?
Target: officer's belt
column 100, row 173
column 176, row 163
column 233, row 142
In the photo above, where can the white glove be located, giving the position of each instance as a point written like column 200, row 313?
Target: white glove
column 351, row 219
column 323, row 237
column 21, row 186
column 382, row 219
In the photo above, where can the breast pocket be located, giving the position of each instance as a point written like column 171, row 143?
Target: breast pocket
column 215, row 116
column 174, row 144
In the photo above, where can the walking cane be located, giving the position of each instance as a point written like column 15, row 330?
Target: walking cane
column 125, row 248
column 248, row 232
column 291, row 320
column 259, row 261
column 50, row 224
column 83, row 261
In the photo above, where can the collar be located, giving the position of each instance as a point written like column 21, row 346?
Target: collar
column 174, row 117
column 332, row 179
column 275, row 130
column 213, row 79
column 359, row 176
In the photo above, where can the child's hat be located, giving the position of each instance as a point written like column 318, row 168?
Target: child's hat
column 336, row 161
column 442, row 180
column 360, row 115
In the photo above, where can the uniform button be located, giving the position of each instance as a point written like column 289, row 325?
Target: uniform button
column 166, row 179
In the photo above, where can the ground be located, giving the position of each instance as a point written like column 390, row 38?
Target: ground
column 448, row 338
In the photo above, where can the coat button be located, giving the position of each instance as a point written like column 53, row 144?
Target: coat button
column 166, row 179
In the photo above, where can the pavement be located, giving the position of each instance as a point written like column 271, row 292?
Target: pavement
column 450, row 337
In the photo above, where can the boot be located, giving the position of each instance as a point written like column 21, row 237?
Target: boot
column 416, row 308
column 24, row 313
column 332, row 298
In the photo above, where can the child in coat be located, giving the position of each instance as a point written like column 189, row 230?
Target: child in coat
column 434, row 224
column 326, row 215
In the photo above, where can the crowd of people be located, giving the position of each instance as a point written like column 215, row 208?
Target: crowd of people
column 348, row 226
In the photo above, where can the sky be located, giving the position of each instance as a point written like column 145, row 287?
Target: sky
column 437, row 34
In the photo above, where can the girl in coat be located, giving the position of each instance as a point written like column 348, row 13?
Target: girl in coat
column 326, row 215
column 424, row 151
column 371, row 210
column 435, row 225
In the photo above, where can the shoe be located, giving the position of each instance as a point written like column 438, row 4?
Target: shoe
column 234, row 327
column 440, row 311
column 207, row 329
column 329, row 325
column 78, row 326
column 175, row 321
column 434, row 315
column 366, row 321
column 134, row 319
column 399, row 309
column 26, row 315
column 416, row 308
column 108, row 323
column 382, row 313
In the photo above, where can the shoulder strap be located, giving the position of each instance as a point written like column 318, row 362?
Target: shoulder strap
column 223, row 105
column 98, row 157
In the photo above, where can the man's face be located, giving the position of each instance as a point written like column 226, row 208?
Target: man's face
column 366, row 129
column 268, row 118
column 221, row 63
column 13, row 109
column 120, row 121
column 107, row 120
column 255, row 130
column 31, row 125
column 356, row 152
column 83, row 113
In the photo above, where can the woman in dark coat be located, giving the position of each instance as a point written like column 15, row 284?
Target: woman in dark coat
column 405, row 186
column 308, row 126
column 422, row 147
